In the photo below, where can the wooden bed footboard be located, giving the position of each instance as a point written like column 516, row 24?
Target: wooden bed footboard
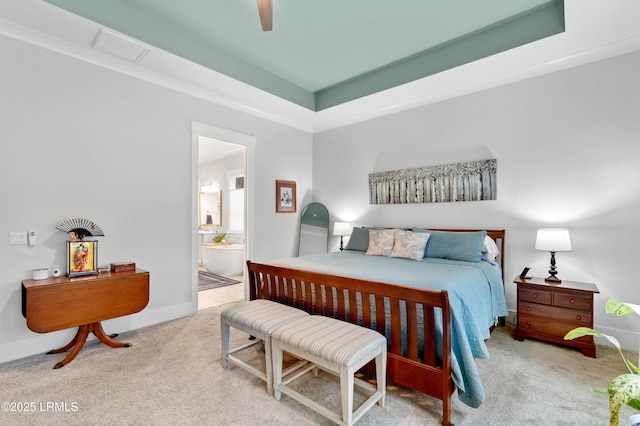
column 400, row 313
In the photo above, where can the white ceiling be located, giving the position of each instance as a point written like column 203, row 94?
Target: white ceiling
column 595, row 29
column 214, row 149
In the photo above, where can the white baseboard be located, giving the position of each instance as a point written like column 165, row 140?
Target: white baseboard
column 629, row 340
column 39, row 343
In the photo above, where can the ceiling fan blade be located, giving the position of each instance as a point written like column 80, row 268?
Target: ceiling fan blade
column 266, row 14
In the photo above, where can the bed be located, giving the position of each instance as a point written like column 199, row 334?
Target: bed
column 435, row 309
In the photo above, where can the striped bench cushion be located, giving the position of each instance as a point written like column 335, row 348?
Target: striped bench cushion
column 336, row 341
column 264, row 316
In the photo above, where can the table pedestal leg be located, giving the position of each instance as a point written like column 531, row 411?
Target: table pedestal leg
column 98, row 331
column 81, row 337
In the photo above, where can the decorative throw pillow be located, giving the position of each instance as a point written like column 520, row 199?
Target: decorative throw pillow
column 381, row 242
column 422, row 231
column 409, row 244
column 490, row 249
column 359, row 240
column 465, row 246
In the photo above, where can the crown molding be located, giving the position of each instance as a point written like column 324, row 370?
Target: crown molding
column 591, row 35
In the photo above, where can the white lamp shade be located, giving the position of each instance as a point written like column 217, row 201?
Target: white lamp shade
column 553, row 239
column 342, row 229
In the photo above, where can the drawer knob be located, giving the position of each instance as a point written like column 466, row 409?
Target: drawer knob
column 528, row 323
column 579, row 317
column 572, row 301
column 528, row 308
column 534, row 295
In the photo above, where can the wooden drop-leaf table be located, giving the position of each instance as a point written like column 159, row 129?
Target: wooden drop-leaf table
column 58, row 303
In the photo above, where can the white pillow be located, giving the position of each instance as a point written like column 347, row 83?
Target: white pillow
column 380, row 242
column 490, row 249
column 409, row 244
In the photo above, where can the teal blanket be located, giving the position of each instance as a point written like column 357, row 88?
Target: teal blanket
column 476, row 297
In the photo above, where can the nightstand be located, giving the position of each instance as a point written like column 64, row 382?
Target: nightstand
column 548, row 311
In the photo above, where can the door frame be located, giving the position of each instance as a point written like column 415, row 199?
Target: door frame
column 232, row 136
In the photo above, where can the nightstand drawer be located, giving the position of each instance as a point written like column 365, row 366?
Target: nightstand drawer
column 573, row 300
column 550, row 328
column 535, row 295
column 578, row 318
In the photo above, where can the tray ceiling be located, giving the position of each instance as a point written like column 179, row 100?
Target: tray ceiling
column 339, row 55
column 324, row 53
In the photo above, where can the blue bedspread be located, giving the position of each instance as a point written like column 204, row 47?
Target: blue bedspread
column 476, row 297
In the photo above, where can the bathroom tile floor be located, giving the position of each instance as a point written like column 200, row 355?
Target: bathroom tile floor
column 222, row 295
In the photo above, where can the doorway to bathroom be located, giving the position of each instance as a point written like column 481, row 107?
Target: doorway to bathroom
column 222, row 234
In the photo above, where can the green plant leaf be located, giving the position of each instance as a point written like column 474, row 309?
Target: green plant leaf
column 617, row 308
column 622, row 391
column 586, row 331
column 218, row 238
column 634, row 403
column 582, row 331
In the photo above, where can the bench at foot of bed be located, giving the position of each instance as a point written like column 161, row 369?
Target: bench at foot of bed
column 335, row 346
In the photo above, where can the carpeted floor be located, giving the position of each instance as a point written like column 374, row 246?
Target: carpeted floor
column 173, row 375
column 207, row 281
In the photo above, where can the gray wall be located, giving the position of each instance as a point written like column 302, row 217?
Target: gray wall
column 568, row 152
column 78, row 140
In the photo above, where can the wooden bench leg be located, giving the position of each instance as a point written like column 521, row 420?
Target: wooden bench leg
column 346, row 391
column 224, row 332
column 268, row 365
column 276, row 359
column 381, row 376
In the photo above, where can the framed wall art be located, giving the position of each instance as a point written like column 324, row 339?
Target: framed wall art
column 469, row 181
column 82, row 258
column 285, row 196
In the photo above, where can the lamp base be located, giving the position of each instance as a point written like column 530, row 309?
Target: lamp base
column 552, row 270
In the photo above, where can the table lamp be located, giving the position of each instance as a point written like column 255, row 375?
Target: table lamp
column 342, row 229
column 553, row 240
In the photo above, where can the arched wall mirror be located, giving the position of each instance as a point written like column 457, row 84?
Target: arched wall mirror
column 211, row 208
column 314, row 230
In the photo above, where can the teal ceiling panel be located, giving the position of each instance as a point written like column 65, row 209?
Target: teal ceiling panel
column 323, row 54
column 517, row 31
column 157, row 31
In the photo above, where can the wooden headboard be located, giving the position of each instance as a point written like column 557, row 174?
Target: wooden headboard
column 496, row 234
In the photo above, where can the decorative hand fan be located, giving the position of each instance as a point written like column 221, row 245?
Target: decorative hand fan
column 79, row 228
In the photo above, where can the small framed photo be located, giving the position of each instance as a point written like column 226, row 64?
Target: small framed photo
column 82, row 258
column 285, row 196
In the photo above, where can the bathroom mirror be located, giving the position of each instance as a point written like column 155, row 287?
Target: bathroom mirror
column 314, row 230
column 210, row 208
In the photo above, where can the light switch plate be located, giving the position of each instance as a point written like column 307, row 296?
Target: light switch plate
column 17, row 238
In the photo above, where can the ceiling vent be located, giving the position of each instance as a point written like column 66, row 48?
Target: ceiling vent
column 121, row 47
